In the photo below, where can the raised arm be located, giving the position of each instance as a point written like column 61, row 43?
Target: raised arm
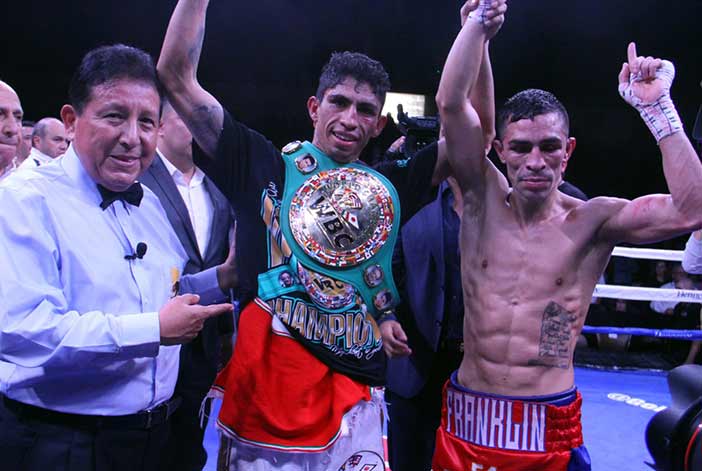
column 482, row 94
column 482, row 98
column 464, row 138
column 177, row 69
column 645, row 84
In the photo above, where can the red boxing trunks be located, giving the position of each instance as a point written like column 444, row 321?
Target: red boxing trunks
column 499, row 433
column 276, row 394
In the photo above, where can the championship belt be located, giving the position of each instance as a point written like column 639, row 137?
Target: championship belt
column 341, row 223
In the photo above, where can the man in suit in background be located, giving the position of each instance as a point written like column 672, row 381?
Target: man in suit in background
column 201, row 217
column 431, row 316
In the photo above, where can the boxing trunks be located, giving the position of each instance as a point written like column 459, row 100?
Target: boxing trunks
column 286, row 410
column 279, row 395
column 501, row 433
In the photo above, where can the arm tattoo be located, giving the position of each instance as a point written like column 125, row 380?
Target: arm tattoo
column 556, row 330
column 196, row 49
column 205, row 127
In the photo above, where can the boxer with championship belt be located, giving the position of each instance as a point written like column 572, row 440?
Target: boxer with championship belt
column 319, row 229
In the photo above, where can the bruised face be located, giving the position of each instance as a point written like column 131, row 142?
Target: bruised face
column 345, row 119
column 535, row 152
column 115, row 135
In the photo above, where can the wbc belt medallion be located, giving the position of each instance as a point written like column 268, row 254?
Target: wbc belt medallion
column 341, row 217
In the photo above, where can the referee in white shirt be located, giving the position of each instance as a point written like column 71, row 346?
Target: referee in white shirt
column 90, row 323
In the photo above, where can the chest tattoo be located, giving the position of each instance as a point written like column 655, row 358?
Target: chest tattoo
column 556, row 332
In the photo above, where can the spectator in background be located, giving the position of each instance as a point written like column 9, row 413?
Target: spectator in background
column 656, row 274
column 48, row 142
column 201, row 217
column 25, row 143
column 680, row 281
column 10, row 124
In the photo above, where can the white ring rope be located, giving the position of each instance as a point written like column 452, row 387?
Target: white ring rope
column 638, row 293
column 648, row 254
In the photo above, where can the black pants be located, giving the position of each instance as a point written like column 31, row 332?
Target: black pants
column 31, row 444
column 413, row 421
column 184, row 450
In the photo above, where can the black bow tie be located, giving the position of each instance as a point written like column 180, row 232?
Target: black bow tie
column 131, row 195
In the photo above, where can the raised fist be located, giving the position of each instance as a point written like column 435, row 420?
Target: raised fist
column 644, row 83
column 644, row 80
column 489, row 13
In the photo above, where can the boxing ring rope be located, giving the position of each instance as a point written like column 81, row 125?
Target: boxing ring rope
column 658, row 333
column 638, row 293
column 648, row 254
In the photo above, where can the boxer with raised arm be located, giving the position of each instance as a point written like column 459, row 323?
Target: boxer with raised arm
column 530, row 259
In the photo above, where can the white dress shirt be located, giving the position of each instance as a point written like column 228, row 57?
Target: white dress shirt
column 197, row 199
column 36, row 158
column 79, row 328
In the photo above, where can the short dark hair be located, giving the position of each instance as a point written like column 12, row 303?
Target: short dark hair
column 28, row 123
column 528, row 104
column 358, row 66
column 107, row 64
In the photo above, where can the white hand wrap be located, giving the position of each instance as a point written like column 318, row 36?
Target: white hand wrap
column 479, row 13
column 660, row 116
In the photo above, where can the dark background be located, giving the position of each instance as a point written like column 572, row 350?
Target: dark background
column 262, row 59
